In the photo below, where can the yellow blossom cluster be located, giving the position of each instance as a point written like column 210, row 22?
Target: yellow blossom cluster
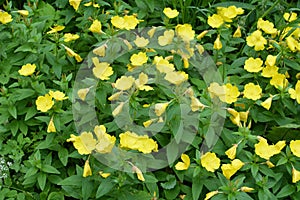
column 45, row 103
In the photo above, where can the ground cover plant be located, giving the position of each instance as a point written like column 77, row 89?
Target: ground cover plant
column 146, row 99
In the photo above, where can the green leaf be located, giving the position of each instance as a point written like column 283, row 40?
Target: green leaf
column 13, row 111
column 56, row 196
column 63, row 156
column 87, row 188
column 286, row 191
column 197, row 186
column 105, row 187
column 74, row 180
column 30, row 113
column 291, row 63
column 49, row 169
column 42, row 180
column 170, row 184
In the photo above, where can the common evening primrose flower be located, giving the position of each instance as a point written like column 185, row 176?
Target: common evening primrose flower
column 124, row 83
column 252, row 91
column 127, row 22
column 215, row 90
column 185, row 164
column 237, row 33
column 23, row 12
column 118, row 109
column 279, row 81
column 102, row 70
column 82, row 93
column 230, row 169
column 295, row 175
column 139, row 59
column 253, row 64
column 246, row 189
column 170, row 13
column 142, row 81
column 44, row 103
column 218, row 44
column 202, row 34
column 160, row 108
column 51, row 127
column 270, row 60
column 75, row 4
column 100, row 51
column 211, row 194
column 266, row 151
column 57, row 95
column 185, row 32
column 215, row 21
column 167, row 38
column 141, row 41
column 196, row 104
column 96, row 26
column 290, row 16
column 27, row 69
column 5, row 17
column 210, row 161
column 104, row 175
column 292, row 43
column 71, row 53
column 163, row 65
column 176, row 77
column 266, row 26
column 138, row 172
column 68, row 37
column 231, row 152
column 269, row 71
column 85, row 143
column 56, row 29
column 142, row 143
column 295, row 147
column 257, row 40
column 231, row 93
column 267, row 103
column 105, row 142
column 229, row 13
column 87, row 171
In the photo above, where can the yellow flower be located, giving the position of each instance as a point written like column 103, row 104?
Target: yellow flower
column 229, row 13
column 102, row 70
column 160, row 108
column 196, row 104
column 267, row 103
column 51, row 127
column 163, row 65
column 185, row 32
column 270, row 164
column 215, row 21
column 115, row 96
column 118, row 109
column 95, row 5
column 252, row 91
column 151, row 32
column 215, row 90
column 5, row 17
column 230, row 169
column 75, row 3
column 185, row 164
column 295, row 147
column 138, row 172
column 293, row 44
column 138, row 59
column 148, row 123
column 211, row 194
column 231, row 93
column 142, row 81
column 246, row 189
column 295, row 175
column 96, row 26
column 266, row 26
column 70, row 37
column 87, row 171
column 202, row 34
column 105, row 142
column 271, row 60
column 141, row 41
column 237, row 33
column 231, row 152
column 176, row 77
column 235, row 118
column 100, row 51
column 253, row 65
column 55, row 29
column 210, row 161
column 279, row 81
column 167, row 38
column 290, row 16
column 104, row 175
column 171, row 13
column 71, row 53
column 27, row 69
column 124, row 83
column 85, row 143
column 266, row 151
column 218, row 44
column 269, row 71
column 130, row 22
column 44, row 103
column 257, row 40
column 57, row 95
column 295, row 93
column 82, row 93
column 23, row 12
column 142, row 143
column 118, row 22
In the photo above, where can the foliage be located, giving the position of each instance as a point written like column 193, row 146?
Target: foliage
column 85, row 115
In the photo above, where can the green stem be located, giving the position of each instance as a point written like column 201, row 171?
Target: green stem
column 269, row 10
